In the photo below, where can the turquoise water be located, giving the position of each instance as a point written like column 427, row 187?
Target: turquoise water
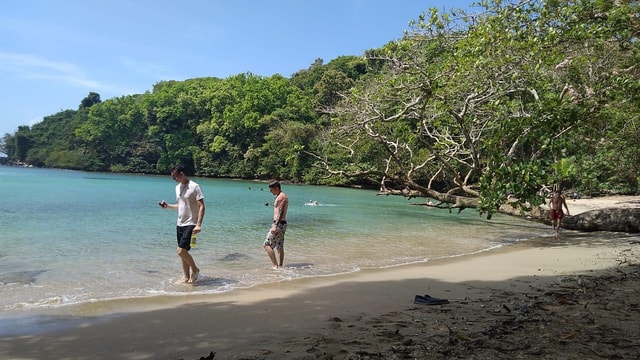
column 70, row 237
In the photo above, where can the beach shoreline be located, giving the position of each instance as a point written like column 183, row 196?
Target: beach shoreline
column 505, row 303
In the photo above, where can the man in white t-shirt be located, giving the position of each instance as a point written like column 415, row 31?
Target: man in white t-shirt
column 190, row 206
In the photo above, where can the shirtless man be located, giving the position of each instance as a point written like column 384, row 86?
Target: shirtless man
column 555, row 203
column 275, row 237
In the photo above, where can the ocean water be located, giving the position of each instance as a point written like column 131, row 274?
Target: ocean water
column 71, row 237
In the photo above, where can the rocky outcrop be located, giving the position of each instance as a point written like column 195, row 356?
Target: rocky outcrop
column 608, row 219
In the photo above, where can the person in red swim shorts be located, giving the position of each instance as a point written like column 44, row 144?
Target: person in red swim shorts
column 555, row 203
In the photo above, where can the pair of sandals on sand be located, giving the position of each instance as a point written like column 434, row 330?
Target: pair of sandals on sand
column 428, row 300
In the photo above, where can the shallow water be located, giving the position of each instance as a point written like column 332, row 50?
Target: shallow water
column 71, row 237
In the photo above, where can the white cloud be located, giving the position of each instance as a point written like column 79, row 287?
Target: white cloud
column 33, row 67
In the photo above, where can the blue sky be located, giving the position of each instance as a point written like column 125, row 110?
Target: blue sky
column 54, row 52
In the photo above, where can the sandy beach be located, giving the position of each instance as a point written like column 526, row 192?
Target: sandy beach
column 551, row 298
column 578, row 206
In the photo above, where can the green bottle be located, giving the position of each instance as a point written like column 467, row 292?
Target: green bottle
column 193, row 240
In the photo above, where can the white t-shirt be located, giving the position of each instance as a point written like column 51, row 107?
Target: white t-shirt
column 187, row 196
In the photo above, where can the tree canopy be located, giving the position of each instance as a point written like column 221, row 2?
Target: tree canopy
column 473, row 108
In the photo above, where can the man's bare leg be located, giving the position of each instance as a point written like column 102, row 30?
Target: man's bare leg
column 281, row 255
column 272, row 255
column 185, row 269
column 188, row 264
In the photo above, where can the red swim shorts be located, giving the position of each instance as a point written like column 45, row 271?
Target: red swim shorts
column 556, row 214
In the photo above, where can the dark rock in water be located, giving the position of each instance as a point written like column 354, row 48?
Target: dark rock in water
column 299, row 265
column 210, row 357
column 20, row 277
column 234, row 257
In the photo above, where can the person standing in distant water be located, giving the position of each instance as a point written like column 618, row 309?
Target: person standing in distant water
column 275, row 237
column 555, row 203
column 190, row 206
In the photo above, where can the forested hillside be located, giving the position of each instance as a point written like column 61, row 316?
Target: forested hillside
column 243, row 126
column 469, row 108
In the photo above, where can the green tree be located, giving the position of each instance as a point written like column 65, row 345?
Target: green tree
column 244, row 109
column 22, row 143
column 7, row 144
column 111, row 131
column 90, row 100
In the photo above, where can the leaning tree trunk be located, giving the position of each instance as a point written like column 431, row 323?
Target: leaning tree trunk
column 607, row 219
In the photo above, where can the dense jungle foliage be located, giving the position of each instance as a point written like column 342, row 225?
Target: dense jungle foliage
column 469, row 107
